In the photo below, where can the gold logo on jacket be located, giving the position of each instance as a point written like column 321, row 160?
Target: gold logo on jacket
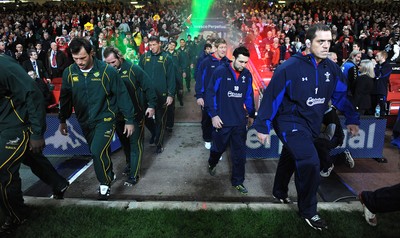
column 125, row 72
column 96, row 74
column 107, row 119
column 75, row 78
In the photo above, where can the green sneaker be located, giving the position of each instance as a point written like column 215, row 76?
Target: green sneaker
column 241, row 189
column 212, row 170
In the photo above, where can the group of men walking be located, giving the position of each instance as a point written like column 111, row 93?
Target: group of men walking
column 120, row 97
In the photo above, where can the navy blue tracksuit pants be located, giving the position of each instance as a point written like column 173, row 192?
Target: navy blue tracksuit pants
column 299, row 155
column 236, row 137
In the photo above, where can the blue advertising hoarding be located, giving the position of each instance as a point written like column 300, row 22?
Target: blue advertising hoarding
column 369, row 144
column 73, row 144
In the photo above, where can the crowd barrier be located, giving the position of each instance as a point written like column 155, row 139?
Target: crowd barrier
column 369, row 144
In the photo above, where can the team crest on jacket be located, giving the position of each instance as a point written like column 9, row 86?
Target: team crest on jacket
column 13, row 142
column 75, row 79
column 243, row 78
column 161, row 57
column 96, row 74
column 125, row 72
column 327, row 74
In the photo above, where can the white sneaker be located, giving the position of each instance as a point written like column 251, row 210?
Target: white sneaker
column 349, row 159
column 207, row 145
column 370, row 217
column 220, row 158
column 327, row 173
column 104, row 192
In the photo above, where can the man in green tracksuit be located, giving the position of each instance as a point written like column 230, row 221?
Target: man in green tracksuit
column 97, row 93
column 179, row 84
column 22, row 126
column 159, row 66
column 144, row 99
column 185, row 62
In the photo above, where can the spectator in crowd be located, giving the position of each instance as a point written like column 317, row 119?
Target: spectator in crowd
column 343, row 49
column 230, row 103
column 298, row 129
column 350, row 69
column 56, row 61
column 203, row 76
column 144, row 46
column 286, row 50
column 363, row 86
column 40, row 52
column 20, row 54
column 333, row 56
column 139, row 86
column 159, row 66
column 386, row 199
column 43, row 86
column 3, row 49
column 36, row 65
column 393, row 50
column 97, row 123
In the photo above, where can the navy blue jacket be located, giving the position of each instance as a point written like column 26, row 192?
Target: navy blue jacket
column 227, row 95
column 298, row 95
column 382, row 74
column 204, row 72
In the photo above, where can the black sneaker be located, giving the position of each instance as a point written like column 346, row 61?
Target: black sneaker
column 284, row 200
column 104, row 192
column 212, row 170
column 131, row 181
column 9, row 226
column 159, row 150
column 317, row 223
column 60, row 194
column 241, row 189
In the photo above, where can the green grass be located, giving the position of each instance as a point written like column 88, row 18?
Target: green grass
column 77, row 221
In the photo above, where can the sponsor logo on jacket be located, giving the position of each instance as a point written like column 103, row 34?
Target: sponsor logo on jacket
column 314, row 101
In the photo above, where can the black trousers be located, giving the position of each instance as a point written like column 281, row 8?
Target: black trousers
column 385, row 199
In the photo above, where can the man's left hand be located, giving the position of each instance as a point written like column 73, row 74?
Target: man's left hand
column 128, row 130
column 169, row 100
column 150, row 112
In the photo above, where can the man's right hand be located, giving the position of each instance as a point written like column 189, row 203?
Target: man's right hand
column 36, row 146
column 200, row 102
column 63, row 129
column 217, row 122
column 263, row 138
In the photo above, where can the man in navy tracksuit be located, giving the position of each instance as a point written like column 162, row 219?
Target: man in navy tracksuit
column 230, row 103
column 294, row 103
column 203, row 75
column 382, row 75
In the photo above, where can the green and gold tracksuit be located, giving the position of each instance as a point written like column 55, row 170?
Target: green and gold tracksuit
column 184, row 63
column 161, row 70
column 22, row 116
column 141, row 91
column 96, row 96
column 179, row 87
